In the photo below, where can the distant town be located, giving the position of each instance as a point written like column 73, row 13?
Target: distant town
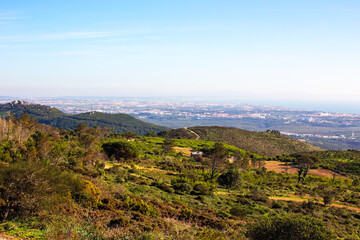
column 336, row 128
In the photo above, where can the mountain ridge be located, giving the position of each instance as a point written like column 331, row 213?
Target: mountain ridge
column 52, row 116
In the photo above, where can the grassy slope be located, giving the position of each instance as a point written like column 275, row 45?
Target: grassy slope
column 258, row 142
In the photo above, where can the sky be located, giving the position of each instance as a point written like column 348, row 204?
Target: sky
column 288, row 53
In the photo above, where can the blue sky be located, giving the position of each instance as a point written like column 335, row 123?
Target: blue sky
column 277, row 52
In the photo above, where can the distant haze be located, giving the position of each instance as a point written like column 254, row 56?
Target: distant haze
column 303, row 54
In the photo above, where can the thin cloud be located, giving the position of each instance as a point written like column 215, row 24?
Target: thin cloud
column 72, row 36
column 310, row 10
column 7, row 17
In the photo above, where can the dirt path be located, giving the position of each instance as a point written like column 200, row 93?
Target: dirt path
column 289, row 199
column 197, row 135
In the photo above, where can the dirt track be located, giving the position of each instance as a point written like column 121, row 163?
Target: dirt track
column 197, row 135
column 289, row 199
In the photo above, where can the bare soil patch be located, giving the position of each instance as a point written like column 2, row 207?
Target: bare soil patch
column 289, row 168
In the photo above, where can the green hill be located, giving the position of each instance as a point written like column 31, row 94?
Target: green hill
column 263, row 143
column 347, row 162
column 54, row 117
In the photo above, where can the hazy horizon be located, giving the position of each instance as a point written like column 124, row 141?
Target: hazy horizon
column 309, row 106
column 293, row 54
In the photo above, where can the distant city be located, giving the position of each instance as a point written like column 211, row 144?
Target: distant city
column 327, row 129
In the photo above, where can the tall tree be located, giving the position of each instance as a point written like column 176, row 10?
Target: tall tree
column 168, row 145
column 305, row 162
column 217, row 156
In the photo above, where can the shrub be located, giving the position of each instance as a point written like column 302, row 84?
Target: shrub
column 230, row 179
column 164, row 187
column 181, row 185
column 187, row 213
column 209, row 233
column 289, row 227
column 30, row 187
column 258, row 195
column 120, row 149
column 202, row 189
column 238, row 211
column 328, row 198
column 277, row 204
column 121, row 221
column 184, row 188
column 138, row 205
column 88, row 195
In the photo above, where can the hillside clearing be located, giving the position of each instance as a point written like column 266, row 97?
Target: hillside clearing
column 289, row 168
column 185, row 151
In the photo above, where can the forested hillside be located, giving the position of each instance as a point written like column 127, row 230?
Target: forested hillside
column 51, row 116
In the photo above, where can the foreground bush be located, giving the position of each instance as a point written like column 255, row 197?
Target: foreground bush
column 27, row 188
column 290, row 227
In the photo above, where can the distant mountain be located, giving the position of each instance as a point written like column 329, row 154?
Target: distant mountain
column 270, row 143
column 54, row 117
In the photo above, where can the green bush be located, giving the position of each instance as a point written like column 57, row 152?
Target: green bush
column 202, row 189
column 184, row 188
column 289, row 227
column 88, row 195
column 238, row 211
column 164, row 187
column 230, row 179
column 120, row 149
column 187, row 213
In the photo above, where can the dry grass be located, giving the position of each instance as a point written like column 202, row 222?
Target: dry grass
column 288, row 168
column 291, row 199
column 185, row 151
column 7, row 237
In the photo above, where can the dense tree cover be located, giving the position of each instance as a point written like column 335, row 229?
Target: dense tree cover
column 51, row 116
column 91, row 183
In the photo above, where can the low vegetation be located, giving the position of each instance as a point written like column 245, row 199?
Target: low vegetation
column 91, row 183
column 269, row 143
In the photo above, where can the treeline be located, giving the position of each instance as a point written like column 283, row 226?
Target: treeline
column 51, row 116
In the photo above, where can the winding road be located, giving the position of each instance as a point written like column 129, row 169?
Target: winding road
column 197, row 135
